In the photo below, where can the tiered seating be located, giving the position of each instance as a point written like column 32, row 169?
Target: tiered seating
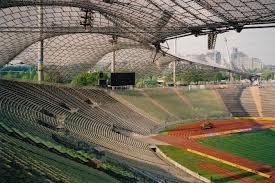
column 139, row 100
column 71, row 107
column 22, row 105
column 154, row 172
column 206, row 103
column 108, row 103
column 180, row 103
column 172, row 103
column 231, row 99
column 26, row 163
column 248, row 103
column 268, row 101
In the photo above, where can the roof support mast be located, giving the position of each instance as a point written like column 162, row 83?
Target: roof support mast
column 113, row 62
column 41, row 44
column 114, row 44
column 174, row 64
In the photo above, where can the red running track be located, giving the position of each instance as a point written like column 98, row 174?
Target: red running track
column 219, row 126
column 179, row 137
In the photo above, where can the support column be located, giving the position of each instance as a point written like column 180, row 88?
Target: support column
column 231, row 77
column 40, row 64
column 114, row 44
column 174, row 64
column 113, row 64
column 174, row 72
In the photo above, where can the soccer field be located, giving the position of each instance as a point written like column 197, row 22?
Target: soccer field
column 258, row 145
column 195, row 163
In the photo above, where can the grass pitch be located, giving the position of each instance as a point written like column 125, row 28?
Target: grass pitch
column 193, row 161
column 258, row 145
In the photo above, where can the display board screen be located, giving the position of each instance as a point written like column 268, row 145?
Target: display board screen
column 123, row 79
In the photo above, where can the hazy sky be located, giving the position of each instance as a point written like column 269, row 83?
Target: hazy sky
column 259, row 43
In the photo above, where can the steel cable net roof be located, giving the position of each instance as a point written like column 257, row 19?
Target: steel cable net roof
column 70, row 48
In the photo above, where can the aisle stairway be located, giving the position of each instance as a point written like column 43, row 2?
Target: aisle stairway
column 249, row 100
column 231, row 98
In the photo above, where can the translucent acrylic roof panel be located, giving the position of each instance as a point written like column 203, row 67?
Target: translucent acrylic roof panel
column 138, row 60
column 153, row 19
column 71, row 46
column 74, row 53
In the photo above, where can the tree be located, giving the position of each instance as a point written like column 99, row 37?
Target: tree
column 9, row 76
column 139, row 83
column 88, row 79
column 220, row 76
column 47, row 77
column 25, row 76
column 267, row 74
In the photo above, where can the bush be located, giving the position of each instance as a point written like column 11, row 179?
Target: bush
column 88, row 79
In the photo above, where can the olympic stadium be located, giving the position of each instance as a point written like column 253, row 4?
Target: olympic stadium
column 91, row 92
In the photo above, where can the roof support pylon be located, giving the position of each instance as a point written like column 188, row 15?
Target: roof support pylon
column 40, row 64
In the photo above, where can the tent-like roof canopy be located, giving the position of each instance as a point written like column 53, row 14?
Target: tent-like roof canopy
column 140, row 25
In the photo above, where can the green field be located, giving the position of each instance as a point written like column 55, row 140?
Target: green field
column 258, row 145
column 192, row 162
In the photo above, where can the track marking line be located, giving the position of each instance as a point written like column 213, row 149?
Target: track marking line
column 229, row 163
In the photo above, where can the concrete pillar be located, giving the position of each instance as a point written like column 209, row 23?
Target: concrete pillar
column 174, row 72
column 113, row 64
column 40, row 64
column 174, row 64
column 231, row 77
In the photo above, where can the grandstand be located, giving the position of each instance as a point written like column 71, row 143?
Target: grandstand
column 25, row 105
column 96, row 117
column 27, row 163
column 267, row 102
column 164, row 104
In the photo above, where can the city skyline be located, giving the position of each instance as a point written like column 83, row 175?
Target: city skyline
column 257, row 43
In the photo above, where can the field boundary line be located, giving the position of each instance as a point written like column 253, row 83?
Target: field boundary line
column 256, row 118
column 223, row 133
column 181, row 167
column 244, row 130
column 229, row 163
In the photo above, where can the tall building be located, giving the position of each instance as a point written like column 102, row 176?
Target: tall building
column 214, row 56
column 241, row 59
